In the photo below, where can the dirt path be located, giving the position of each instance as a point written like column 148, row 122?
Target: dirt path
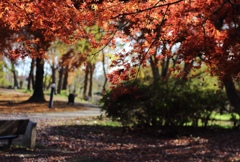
column 88, row 110
column 10, row 109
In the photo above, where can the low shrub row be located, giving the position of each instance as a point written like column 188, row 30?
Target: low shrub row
column 164, row 104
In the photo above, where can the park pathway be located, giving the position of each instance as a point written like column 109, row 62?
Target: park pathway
column 88, row 110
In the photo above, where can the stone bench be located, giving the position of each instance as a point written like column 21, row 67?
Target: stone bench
column 13, row 128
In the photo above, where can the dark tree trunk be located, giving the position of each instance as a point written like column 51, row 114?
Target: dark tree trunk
column 155, row 70
column 165, row 63
column 65, row 79
column 104, row 84
column 33, row 80
column 232, row 94
column 15, row 79
column 53, row 68
column 86, row 82
column 91, row 70
column 15, row 84
column 165, row 67
column 60, row 80
column 38, row 95
column 104, row 73
column 30, row 77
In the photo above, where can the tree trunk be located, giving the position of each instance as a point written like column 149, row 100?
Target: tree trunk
column 104, row 73
column 38, row 95
column 30, row 77
column 91, row 70
column 33, row 80
column 15, row 79
column 86, row 82
column 155, row 70
column 232, row 94
column 53, row 68
column 60, row 80
column 165, row 67
column 14, row 76
column 65, row 79
column 165, row 63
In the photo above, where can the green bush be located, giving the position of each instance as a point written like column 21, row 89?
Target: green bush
column 136, row 104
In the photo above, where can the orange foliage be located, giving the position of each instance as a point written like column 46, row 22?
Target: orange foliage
column 206, row 29
column 36, row 24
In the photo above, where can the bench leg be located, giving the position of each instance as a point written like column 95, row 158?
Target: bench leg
column 9, row 142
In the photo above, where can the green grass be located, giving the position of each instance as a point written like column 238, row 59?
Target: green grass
column 218, row 120
column 223, row 120
column 225, row 117
column 103, row 121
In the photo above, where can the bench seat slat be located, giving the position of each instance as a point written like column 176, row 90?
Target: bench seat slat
column 8, row 137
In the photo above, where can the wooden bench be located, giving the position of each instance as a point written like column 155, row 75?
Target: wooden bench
column 11, row 129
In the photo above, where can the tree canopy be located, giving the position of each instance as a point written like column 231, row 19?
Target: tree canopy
column 32, row 25
column 208, row 30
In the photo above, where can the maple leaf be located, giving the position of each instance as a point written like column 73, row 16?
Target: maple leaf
column 28, row 9
column 1, row 14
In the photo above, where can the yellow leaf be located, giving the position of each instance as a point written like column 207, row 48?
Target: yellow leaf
column 12, row 26
column 94, row 7
column 28, row 9
column 22, row 6
column 41, row 22
column 21, row 24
